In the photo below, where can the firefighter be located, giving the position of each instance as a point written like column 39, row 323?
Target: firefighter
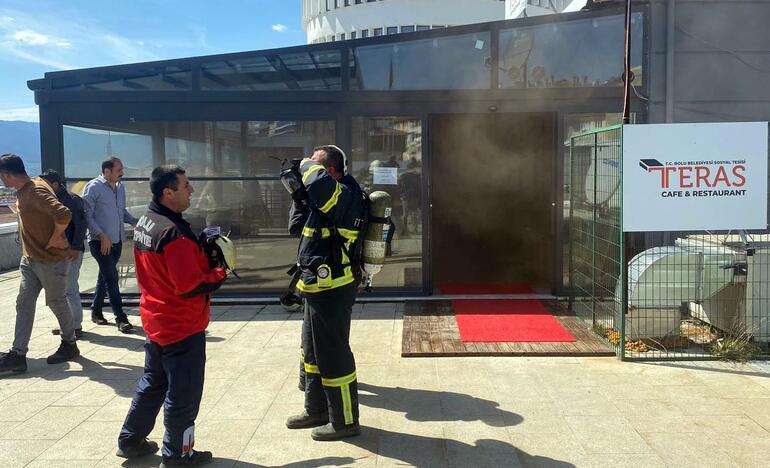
column 175, row 281
column 328, row 221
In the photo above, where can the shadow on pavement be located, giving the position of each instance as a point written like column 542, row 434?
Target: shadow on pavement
column 422, row 451
column 419, row 405
column 154, row 461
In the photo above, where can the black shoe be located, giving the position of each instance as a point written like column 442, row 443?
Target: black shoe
column 13, row 362
column 78, row 332
column 305, row 420
column 66, row 352
column 143, row 448
column 329, row 432
column 124, row 326
column 99, row 319
column 197, row 459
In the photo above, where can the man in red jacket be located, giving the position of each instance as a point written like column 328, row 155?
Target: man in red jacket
column 175, row 281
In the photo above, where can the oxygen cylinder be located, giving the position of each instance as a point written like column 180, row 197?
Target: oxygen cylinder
column 373, row 255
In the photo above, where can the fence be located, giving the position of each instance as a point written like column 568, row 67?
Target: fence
column 683, row 295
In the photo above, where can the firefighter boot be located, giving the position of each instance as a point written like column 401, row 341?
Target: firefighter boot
column 305, row 420
column 333, row 432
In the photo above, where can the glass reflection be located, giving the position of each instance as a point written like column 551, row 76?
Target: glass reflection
column 233, row 172
column 583, row 53
column 424, row 64
column 387, row 155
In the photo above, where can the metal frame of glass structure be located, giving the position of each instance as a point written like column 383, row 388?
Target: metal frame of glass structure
column 369, row 77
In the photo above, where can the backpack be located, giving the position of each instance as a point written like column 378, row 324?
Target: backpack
column 76, row 229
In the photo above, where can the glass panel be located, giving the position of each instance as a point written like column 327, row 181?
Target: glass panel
column 381, row 146
column 378, row 31
column 407, row 29
column 204, row 149
column 422, row 27
column 86, row 148
column 170, row 78
column 365, row 33
column 405, row 65
column 319, row 70
column 582, row 53
column 253, row 209
column 392, row 30
column 137, row 199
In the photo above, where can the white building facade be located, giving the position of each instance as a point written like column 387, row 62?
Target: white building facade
column 338, row 20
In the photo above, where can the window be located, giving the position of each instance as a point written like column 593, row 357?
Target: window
column 401, row 66
column 364, row 33
column 407, row 29
column 353, row 34
column 438, row 26
column 391, row 30
column 377, row 32
column 422, row 27
column 347, row 2
column 235, row 180
column 572, row 54
column 141, row 78
column 316, row 70
column 392, row 146
column 341, row 37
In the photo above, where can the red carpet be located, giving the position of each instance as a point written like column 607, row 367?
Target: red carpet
column 485, row 288
column 507, row 320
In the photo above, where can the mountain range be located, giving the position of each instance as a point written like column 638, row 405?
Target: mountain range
column 22, row 138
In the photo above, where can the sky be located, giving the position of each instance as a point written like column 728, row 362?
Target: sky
column 38, row 36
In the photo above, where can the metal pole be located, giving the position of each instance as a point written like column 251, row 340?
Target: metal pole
column 627, row 66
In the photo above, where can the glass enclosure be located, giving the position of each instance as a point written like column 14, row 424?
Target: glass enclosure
column 234, row 175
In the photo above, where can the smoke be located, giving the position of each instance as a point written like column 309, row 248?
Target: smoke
column 492, row 184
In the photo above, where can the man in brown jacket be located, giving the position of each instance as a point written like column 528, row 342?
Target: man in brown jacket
column 44, row 263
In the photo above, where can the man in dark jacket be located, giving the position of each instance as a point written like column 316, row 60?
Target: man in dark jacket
column 175, row 281
column 328, row 223
column 76, row 235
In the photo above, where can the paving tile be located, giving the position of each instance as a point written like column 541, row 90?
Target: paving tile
column 225, row 438
column 615, row 460
column 599, row 434
column 557, row 450
column 695, row 450
column 52, row 423
column 22, row 406
column 18, row 453
column 91, row 440
column 236, row 404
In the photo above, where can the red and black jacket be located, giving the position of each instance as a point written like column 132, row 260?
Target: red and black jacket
column 174, row 276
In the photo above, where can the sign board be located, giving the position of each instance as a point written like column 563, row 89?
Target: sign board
column 385, row 176
column 693, row 177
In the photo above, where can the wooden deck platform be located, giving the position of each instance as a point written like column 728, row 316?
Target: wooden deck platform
column 430, row 330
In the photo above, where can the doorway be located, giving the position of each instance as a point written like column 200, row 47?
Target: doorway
column 492, row 179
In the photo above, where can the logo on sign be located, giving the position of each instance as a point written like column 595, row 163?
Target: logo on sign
column 698, row 178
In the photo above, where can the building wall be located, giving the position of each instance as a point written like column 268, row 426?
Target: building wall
column 333, row 20
column 323, row 20
column 719, row 60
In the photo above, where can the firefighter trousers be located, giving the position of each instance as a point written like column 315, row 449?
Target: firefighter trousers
column 173, row 379
column 328, row 366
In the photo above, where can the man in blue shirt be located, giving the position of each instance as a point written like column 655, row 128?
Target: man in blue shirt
column 105, row 201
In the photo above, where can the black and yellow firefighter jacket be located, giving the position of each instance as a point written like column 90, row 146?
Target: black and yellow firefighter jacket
column 328, row 224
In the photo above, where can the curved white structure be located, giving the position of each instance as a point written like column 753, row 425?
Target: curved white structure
column 338, row 20
column 335, row 20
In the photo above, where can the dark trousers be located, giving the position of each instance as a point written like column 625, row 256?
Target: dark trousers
column 107, row 283
column 173, row 378
column 328, row 363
